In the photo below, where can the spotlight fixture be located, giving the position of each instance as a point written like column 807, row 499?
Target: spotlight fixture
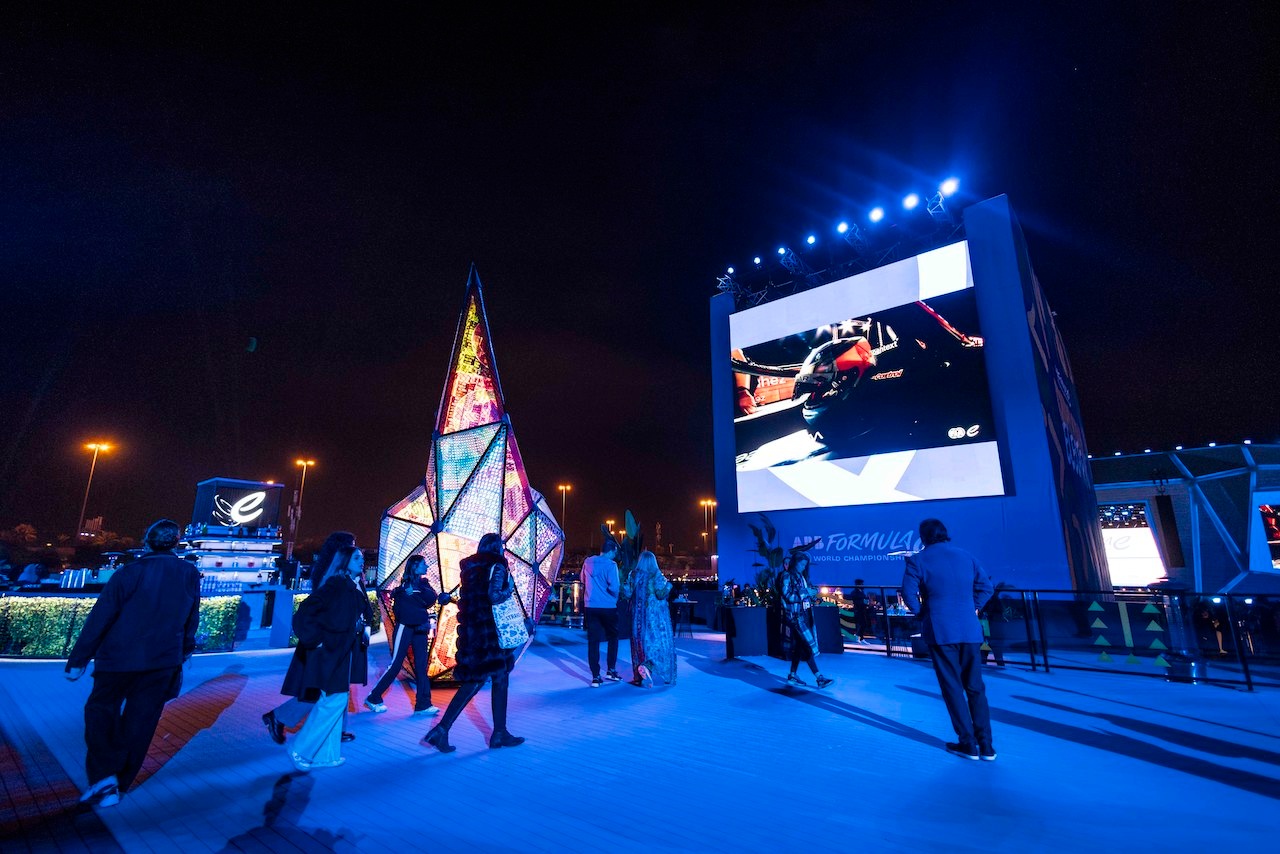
column 876, row 214
column 730, row 271
column 949, row 186
column 842, row 228
column 811, row 239
column 756, row 260
column 791, row 262
column 911, row 201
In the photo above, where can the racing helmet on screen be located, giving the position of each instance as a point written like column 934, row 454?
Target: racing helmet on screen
column 831, row 371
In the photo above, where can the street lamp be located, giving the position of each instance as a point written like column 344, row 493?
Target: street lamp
column 609, row 522
column 704, row 541
column 295, row 512
column 97, row 448
column 715, row 529
column 565, row 489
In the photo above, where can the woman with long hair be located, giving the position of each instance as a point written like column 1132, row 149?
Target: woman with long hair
column 797, row 607
column 486, row 581
column 411, row 602
column 332, row 626
column 653, row 651
column 291, row 712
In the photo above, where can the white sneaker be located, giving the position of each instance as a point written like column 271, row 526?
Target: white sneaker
column 376, row 708
column 427, row 712
column 104, row 793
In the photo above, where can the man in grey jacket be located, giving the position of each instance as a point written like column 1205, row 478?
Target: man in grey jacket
column 946, row 587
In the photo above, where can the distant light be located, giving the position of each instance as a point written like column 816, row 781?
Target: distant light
column 911, row 201
column 876, row 214
column 730, row 271
column 1177, row 447
column 842, row 228
column 1117, row 453
column 811, row 240
column 756, row 260
column 949, row 186
column 782, row 250
column 1217, row 600
column 1213, row 444
column 1091, row 456
column 1146, row 450
column 1248, row 441
column 1248, row 601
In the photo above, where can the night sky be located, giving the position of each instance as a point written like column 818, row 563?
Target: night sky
column 175, row 189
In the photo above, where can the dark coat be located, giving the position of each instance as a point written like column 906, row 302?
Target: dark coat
column 796, row 593
column 412, row 605
column 479, row 655
column 331, row 615
column 145, row 618
column 953, row 586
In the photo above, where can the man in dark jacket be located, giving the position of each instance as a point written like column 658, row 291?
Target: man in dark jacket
column 139, row 633
column 953, row 588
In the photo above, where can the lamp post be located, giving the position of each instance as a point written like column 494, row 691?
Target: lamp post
column 97, row 448
column 565, row 489
column 609, row 522
column 713, row 527
column 295, row 512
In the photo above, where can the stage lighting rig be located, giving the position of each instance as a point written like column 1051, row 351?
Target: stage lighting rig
column 938, row 210
column 853, row 235
column 791, row 261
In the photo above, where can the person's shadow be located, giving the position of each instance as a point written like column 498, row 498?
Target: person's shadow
column 1133, row 748
column 1191, row 740
column 280, row 830
column 189, row 715
column 757, row 677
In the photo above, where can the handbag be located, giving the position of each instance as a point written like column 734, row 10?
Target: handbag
column 513, row 624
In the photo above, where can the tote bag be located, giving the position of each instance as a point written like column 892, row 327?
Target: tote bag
column 509, row 617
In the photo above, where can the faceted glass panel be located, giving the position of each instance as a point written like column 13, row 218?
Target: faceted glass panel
column 478, row 509
column 456, row 458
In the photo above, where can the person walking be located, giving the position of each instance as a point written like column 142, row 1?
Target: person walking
column 139, row 633
column 797, row 599
column 652, row 642
column 332, row 626
column 411, row 603
column 291, row 713
column 600, row 588
column 485, row 582
column 946, row 587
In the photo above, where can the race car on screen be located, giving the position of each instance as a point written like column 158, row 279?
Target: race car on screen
column 903, row 379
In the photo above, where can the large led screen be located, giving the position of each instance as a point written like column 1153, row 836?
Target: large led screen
column 869, row 390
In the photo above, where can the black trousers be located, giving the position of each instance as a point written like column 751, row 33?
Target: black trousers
column 407, row 638
column 958, row 667
column 120, row 718
column 602, row 625
column 467, row 692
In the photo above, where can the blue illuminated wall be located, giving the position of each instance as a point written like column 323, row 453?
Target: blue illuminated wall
column 1042, row 533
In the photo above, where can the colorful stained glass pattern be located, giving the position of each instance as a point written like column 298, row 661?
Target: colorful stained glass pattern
column 550, row 565
column 456, row 457
column 472, row 397
column 399, row 538
column 548, row 535
column 414, row 507
column 516, row 500
column 475, row 513
column 475, row 483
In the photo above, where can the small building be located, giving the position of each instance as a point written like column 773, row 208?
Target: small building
column 1204, row 518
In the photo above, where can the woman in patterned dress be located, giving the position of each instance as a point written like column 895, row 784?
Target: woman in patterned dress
column 652, row 642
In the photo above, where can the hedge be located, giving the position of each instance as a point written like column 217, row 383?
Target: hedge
column 373, row 602
column 48, row 626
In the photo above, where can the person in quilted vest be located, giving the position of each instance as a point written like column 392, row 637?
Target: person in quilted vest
column 485, row 582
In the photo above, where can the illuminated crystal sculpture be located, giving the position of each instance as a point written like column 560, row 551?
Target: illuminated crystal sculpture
column 475, row 484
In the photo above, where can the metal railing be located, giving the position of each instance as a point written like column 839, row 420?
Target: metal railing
column 1178, row 635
